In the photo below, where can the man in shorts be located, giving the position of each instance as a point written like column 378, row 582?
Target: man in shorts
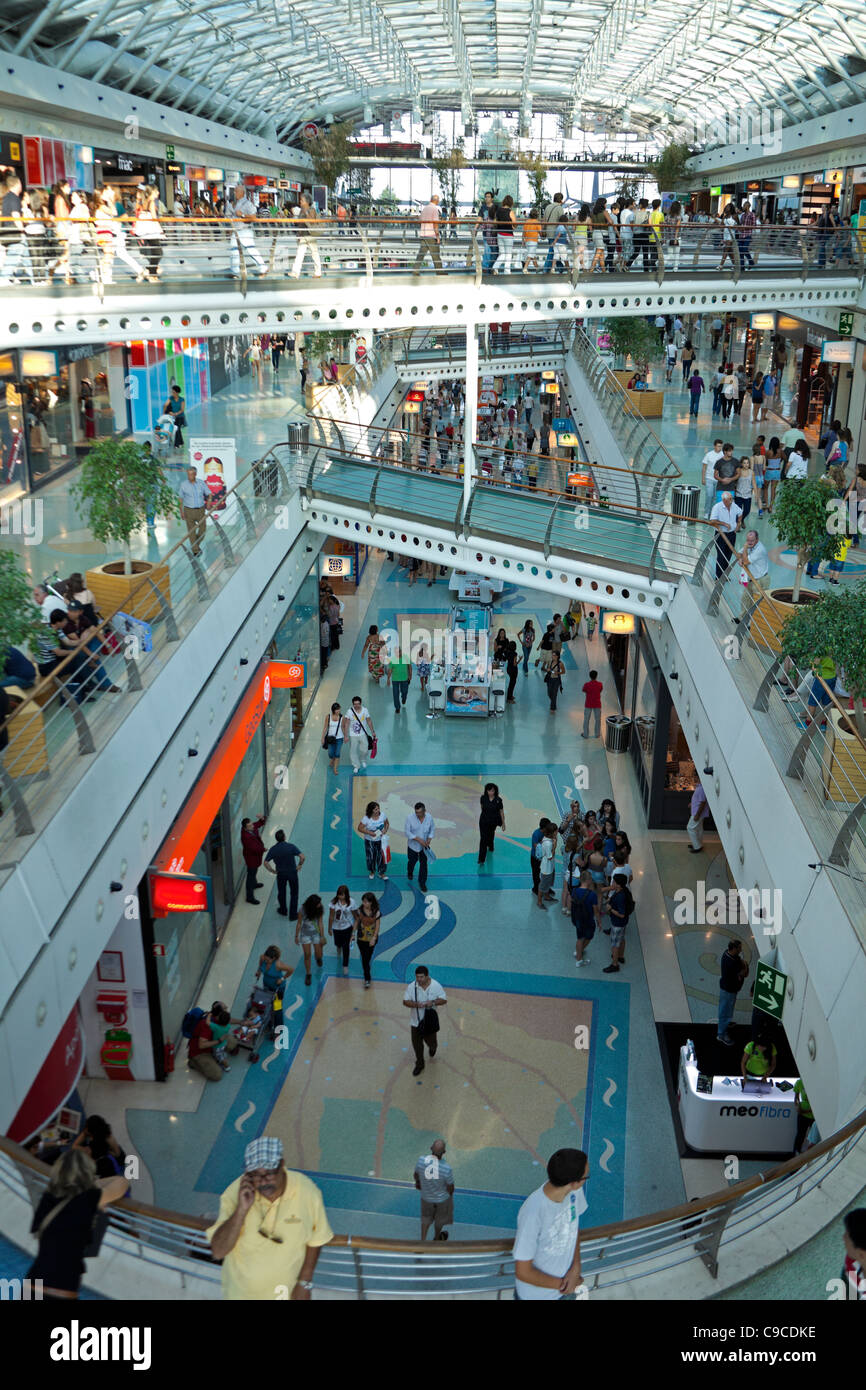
column 434, row 1180
column 620, row 905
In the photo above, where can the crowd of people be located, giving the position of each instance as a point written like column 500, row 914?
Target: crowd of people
column 69, row 628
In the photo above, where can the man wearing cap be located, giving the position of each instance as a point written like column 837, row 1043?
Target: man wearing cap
column 271, row 1226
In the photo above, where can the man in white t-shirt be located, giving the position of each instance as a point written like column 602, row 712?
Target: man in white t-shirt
column 547, row 1245
column 357, row 724
column 423, row 995
column 46, row 601
column 429, row 236
column 708, row 475
column 726, row 517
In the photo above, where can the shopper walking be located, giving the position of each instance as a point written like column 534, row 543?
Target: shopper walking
column 726, row 516
column 697, row 387
column 332, row 735
column 526, row 638
column 592, row 704
column 708, row 475
column 305, row 226
column 733, row 973
column 195, row 503
column 367, row 931
column 420, row 829
column 343, row 922
column 492, row 818
column 284, row 860
column 698, row 810
column 553, row 680
column 424, row 996
column 373, row 827
column 253, row 847
column 400, row 675
column 310, row 933
column 358, row 729
column 270, row 1228
column 428, row 243
column 434, row 1179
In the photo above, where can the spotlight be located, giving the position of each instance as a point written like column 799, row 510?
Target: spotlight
column 708, row 771
column 674, row 676
column 115, row 887
column 192, row 752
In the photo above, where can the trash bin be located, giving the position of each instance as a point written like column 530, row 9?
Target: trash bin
column 685, row 500
column 299, row 436
column 617, row 733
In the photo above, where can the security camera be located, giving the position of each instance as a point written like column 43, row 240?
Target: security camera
column 708, row 771
column 674, row 676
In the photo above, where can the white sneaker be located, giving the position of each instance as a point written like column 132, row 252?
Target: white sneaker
column 372, row 876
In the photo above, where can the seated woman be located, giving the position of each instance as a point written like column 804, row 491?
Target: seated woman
column 272, row 969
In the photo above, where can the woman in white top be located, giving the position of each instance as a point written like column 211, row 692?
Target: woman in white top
column 342, row 922
column 332, row 735
column 798, row 463
column 256, row 356
column 371, row 827
column 357, row 725
column 729, row 225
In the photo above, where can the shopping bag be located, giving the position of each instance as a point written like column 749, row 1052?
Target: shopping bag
column 386, row 845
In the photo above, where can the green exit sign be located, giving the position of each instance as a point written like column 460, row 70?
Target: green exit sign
column 169, row 151
column 769, row 992
column 846, row 325
column 283, row 174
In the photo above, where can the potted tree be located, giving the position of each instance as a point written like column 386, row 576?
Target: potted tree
column 635, row 339
column 21, row 626
column 120, row 485
column 835, row 626
column 802, row 516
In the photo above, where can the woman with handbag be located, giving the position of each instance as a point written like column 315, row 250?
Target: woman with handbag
column 65, row 1219
column 373, row 827
column 553, row 680
column 332, row 736
column 492, row 817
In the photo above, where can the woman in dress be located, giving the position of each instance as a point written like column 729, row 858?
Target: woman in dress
column 367, row 931
column 343, row 922
column 773, row 471
column 422, row 665
column 332, row 736
column 309, row 932
column 526, row 639
column 371, row 827
column 372, row 648
column 492, row 818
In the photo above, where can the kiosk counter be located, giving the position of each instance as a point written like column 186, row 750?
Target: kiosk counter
column 719, row 1115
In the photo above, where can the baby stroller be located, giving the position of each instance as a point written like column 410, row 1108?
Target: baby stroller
column 262, row 1015
column 163, row 436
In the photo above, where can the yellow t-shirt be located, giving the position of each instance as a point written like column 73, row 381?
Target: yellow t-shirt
column 262, row 1269
column 656, row 221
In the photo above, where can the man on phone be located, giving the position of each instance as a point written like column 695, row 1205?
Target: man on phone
column 285, row 1208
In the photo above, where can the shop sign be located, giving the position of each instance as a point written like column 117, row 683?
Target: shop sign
column 763, row 321
column 792, row 181
column 411, row 408
column 195, row 171
column 842, row 351
column 568, row 440
column 169, row 151
column 215, row 175
column 176, row 169
column 846, row 324
column 125, row 165
column 415, row 394
column 310, row 130
column 562, row 422
column 337, row 566
column 550, row 388
column 620, row 623
column 716, row 192
column 177, row 893
column 578, row 479
column 548, row 376
column 769, row 992
column 833, row 175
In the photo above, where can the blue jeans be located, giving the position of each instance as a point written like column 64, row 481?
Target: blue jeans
column 558, row 240
column 399, row 690
column 526, row 651
column 335, row 747
column 694, row 402
column 491, row 251
column 727, row 1003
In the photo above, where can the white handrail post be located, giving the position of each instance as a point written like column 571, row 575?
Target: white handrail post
column 470, row 417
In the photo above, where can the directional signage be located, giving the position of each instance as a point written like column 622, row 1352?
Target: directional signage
column 563, row 422
column 169, row 151
column 846, row 325
column 769, row 993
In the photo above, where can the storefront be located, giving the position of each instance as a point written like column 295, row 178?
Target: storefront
column 11, row 155
column 665, row 769
column 126, row 171
column 154, row 367
column 297, row 639
column 54, row 404
column 343, row 563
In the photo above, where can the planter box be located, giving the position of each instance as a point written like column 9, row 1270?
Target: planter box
column 650, row 404
column 27, row 751
column 767, row 619
column 843, row 763
column 111, row 589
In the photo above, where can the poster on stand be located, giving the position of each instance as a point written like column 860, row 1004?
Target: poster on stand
column 216, row 461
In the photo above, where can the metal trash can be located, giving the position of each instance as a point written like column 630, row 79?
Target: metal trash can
column 617, row 733
column 685, row 500
column 298, row 435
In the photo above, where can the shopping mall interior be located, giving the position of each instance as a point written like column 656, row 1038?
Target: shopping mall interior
column 432, row 477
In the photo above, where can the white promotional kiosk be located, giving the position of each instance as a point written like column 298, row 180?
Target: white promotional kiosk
column 719, row 1115
column 469, row 683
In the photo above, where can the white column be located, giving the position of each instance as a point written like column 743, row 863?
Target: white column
column 470, row 415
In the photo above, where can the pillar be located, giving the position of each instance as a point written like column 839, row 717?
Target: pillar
column 470, row 417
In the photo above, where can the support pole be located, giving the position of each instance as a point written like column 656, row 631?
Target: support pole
column 470, row 417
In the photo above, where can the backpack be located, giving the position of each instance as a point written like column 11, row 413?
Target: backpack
column 191, row 1020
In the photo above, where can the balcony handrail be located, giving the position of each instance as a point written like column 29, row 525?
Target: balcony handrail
column 683, row 1231
column 583, row 347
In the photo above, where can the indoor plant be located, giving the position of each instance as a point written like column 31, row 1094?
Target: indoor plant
column 119, row 486
column 801, row 515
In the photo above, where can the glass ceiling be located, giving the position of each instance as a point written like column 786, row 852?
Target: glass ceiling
column 268, row 66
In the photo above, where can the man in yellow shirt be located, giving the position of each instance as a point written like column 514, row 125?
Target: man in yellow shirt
column 271, row 1225
column 656, row 222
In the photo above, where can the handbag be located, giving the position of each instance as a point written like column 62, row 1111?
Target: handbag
column 429, row 1019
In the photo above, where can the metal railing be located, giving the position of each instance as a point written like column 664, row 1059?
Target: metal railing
column 57, row 729
column 536, row 340
column 362, row 1267
column 820, row 748
column 187, row 251
column 638, row 441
